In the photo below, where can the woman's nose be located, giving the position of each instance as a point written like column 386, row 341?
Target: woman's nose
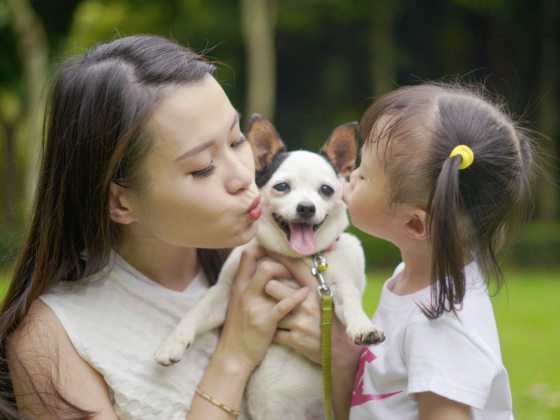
column 241, row 175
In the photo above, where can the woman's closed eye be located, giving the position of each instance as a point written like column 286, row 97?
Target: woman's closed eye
column 209, row 170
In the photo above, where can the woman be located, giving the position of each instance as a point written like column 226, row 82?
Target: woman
column 145, row 173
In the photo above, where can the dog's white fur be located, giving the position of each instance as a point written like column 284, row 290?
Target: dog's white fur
column 286, row 385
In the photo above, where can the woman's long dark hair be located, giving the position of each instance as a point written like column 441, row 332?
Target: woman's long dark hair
column 472, row 212
column 94, row 135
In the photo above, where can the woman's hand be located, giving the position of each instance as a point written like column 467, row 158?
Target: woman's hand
column 252, row 315
column 251, row 322
column 301, row 328
column 301, row 331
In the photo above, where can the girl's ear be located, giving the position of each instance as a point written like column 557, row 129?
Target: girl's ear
column 416, row 225
column 119, row 206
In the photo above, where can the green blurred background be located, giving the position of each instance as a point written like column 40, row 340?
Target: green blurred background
column 311, row 65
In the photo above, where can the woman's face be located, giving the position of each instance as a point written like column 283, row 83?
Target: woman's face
column 200, row 172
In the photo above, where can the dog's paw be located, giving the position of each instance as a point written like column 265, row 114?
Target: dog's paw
column 366, row 335
column 172, row 349
column 373, row 337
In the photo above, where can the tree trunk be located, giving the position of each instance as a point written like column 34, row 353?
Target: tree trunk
column 258, row 19
column 32, row 49
column 548, row 198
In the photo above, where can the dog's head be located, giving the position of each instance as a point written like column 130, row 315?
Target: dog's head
column 303, row 211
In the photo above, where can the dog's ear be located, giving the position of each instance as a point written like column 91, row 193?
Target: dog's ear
column 341, row 148
column 264, row 141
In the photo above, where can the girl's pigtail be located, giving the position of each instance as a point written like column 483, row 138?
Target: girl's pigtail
column 448, row 253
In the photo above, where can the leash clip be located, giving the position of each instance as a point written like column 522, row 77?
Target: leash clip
column 320, row 266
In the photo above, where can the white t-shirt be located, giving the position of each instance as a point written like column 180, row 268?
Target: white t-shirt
column 457, row 357
column 116, row 319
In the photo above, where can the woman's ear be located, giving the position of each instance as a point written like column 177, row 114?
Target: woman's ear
column 119, row 205
column 416, row 225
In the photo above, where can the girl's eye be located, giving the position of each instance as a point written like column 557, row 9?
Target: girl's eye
column 326, row 190
column 282, row 187
column 239, row 142
column 209, row 170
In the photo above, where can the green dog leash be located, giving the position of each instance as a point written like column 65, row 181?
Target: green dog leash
column 319, row 267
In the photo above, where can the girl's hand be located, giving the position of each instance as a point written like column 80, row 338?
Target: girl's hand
column 252, row 315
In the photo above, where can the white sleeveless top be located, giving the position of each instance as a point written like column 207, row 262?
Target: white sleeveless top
column 116, row 319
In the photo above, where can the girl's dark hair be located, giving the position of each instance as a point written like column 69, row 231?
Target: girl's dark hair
column 95, row 135
column 472, row 212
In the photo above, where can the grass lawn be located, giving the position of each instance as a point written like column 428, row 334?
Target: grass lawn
column 528, row 318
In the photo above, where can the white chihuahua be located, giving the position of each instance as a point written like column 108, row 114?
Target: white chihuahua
column 303, row 214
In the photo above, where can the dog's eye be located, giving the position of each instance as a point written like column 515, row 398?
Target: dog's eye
column 282, row 187
column 326, row 190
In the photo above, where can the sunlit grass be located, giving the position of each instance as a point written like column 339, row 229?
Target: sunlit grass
column 528, row 318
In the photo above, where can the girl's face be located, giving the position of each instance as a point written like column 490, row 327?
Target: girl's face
column 200, row 172
column 367, row 197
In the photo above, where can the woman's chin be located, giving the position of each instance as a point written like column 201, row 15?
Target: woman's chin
column 247, row 235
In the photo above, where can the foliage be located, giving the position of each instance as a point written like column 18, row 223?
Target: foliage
column 538, row 245
column 325, row 64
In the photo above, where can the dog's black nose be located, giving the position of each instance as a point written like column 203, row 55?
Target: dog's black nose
column 306, row 210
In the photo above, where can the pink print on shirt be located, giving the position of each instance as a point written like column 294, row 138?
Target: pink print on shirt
column 358, row 396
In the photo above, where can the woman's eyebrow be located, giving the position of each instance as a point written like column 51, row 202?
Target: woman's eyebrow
column 196, row 149
column 210, row 143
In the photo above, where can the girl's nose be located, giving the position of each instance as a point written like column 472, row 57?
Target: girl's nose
column 346, row 192
column 353, row 177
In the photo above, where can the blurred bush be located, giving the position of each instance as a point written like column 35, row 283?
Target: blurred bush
column 538, row 245
column 9, row 244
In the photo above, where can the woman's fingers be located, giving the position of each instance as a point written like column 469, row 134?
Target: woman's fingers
column 265, row 271
column 286, row 305
column 309, row 345
column 248, row 265
column 300, row 271
column 278, row 290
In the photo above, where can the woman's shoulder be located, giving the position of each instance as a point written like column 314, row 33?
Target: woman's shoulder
column 39, row 328
column 37, row 341
column 38, row 351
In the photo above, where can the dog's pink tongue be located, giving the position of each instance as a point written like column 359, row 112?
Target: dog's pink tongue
column 302, row 239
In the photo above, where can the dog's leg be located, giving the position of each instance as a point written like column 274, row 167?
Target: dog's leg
column 348, row 308
column 209, row 313
column 347, row 279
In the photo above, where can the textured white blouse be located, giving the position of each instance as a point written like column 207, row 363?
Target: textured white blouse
column 116, row 319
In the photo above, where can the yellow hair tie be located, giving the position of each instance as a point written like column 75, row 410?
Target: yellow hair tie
column 467, row 155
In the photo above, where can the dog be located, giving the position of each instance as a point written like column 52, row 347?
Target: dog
column 302, row 214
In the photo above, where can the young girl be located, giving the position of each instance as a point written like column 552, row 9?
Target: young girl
column 446, row 176
column 144, row 173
